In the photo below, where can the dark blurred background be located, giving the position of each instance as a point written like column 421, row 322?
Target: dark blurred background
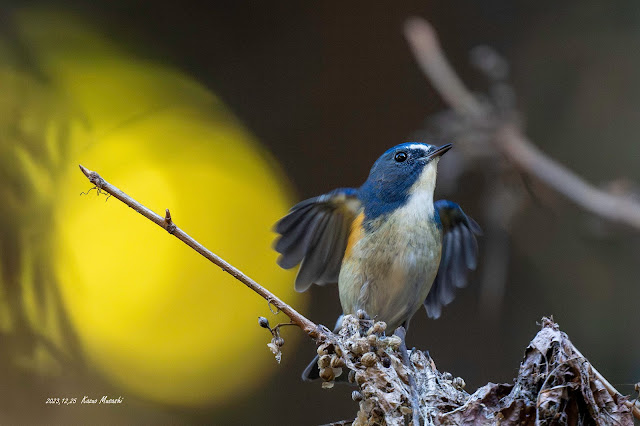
column 326, row 87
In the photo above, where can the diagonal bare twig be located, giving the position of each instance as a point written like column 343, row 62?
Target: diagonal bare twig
column 166, row 223
column 508, row 138
column 524, row 154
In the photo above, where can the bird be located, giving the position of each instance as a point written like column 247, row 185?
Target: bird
column 388, row 245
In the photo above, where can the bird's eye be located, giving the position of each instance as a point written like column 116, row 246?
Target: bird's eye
column 400, row 156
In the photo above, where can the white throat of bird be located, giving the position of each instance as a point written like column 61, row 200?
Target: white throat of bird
column 421, row 192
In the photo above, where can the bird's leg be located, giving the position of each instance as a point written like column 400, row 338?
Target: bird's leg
column 406, row 361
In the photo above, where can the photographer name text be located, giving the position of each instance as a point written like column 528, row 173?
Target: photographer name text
column 85, row 400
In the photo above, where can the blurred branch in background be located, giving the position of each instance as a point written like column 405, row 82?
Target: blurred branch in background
column 34, row 126
column 489, row 132
column 555, row 381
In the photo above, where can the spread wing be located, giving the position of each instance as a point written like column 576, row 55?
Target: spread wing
column 459, row 255
column 315, row 232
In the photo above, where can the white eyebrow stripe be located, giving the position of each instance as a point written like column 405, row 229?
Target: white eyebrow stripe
column 418, row 146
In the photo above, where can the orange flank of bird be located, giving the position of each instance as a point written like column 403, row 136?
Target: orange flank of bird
column 354, row 235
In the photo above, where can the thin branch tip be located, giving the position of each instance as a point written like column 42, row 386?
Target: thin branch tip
column 88, row 173
column 94, row 178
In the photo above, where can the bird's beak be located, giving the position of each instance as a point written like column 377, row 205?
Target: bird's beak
column 438, row 152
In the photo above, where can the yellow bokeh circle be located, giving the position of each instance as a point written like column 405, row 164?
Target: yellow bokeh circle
column 154, row 315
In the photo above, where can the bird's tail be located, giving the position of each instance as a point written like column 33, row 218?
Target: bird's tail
column 312, row 372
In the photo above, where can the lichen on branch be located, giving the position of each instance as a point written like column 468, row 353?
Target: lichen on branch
column 555, row 385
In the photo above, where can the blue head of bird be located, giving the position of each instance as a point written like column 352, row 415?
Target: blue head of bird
column 404, row 171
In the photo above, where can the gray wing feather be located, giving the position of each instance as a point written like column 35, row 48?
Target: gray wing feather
column 459, row 255
column 315, row 232
column 296, row 241
column 338, row 245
